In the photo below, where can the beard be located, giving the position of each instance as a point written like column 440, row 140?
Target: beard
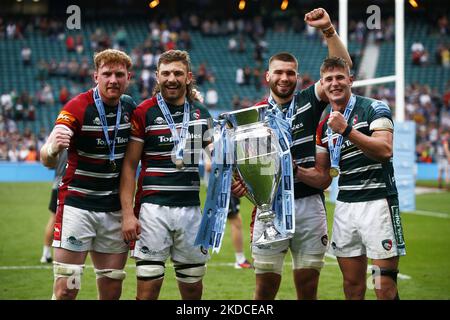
column 283, row 95
column 174, row 94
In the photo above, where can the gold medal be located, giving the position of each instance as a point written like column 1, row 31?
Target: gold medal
column 334, row 172
column 179, row 164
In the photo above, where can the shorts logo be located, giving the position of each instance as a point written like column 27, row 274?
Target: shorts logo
column 203, row 250
column 333, row 245
column 387, row 244
column 73, row 241
column 324, row 240
column 145, row 250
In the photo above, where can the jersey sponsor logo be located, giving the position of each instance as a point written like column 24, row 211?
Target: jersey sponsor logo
column 387, row 244
column 160, row 120
column 66, row 118
column 110, row 115
column 119, row 140
column 164, row 139
column 176, row 114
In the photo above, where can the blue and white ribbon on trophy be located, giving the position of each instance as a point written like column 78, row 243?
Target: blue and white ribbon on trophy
column 284, row 200
column 335, row 149
column 215, row 212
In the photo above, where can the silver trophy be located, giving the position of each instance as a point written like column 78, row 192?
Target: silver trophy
column 258, row 164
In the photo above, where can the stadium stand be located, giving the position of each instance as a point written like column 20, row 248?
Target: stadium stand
column 62, row 58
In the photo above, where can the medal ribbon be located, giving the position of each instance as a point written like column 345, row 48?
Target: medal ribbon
column 179, row 141
column 284, row 200
column 335, row 149
column 215, row 212
column 101, row 111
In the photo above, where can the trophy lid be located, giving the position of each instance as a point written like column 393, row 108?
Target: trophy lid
column 245, row 116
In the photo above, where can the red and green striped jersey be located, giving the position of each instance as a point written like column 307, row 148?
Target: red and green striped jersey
column 160, row 182
column 306, row 117
column 89, row 182
column 361, row 178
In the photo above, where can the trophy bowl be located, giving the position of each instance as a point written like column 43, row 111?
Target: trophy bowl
column 258, row 163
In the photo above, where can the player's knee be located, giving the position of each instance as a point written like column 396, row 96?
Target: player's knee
column 268, row 264
column 149, row 270
column 63, row 293
column 386, row 283
column 308, row 261
column 67, row 270
column 67, row 279
column 114, row 274
column 189, row 273
column 390, row 273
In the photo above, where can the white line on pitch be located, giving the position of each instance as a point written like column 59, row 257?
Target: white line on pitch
column 429, row 214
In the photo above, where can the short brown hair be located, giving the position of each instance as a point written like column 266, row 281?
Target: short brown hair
column 285, row 57
column 112, row 56
column 175, row 56
column 334, row 62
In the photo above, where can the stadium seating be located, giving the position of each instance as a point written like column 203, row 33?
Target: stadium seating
column 212, row 50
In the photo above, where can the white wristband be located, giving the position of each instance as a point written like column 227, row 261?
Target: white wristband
column 50, row 151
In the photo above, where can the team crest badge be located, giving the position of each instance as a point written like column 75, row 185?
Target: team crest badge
column 97, row 121
column 196, row 114
column 355, row 119
column 387, row 244
column 126, row 117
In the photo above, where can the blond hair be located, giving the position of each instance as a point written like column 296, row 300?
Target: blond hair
column 112, row 56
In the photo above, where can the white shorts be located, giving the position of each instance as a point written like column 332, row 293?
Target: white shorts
column 443, row 164
column 364, row 228
column 169, row 231
column 310, row 230
column 82, row 230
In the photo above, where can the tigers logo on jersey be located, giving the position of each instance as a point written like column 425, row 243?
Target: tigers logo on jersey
column 126, row 117
column 196, row 114
column 66, row 118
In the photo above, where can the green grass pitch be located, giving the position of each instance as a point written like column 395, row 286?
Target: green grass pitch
column 425, row 271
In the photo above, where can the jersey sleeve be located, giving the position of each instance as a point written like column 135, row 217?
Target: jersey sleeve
column 321, row 139
column 378, row 110
column 138, row 124
column 201, row 112
column 318, row 106
column 71, row 115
